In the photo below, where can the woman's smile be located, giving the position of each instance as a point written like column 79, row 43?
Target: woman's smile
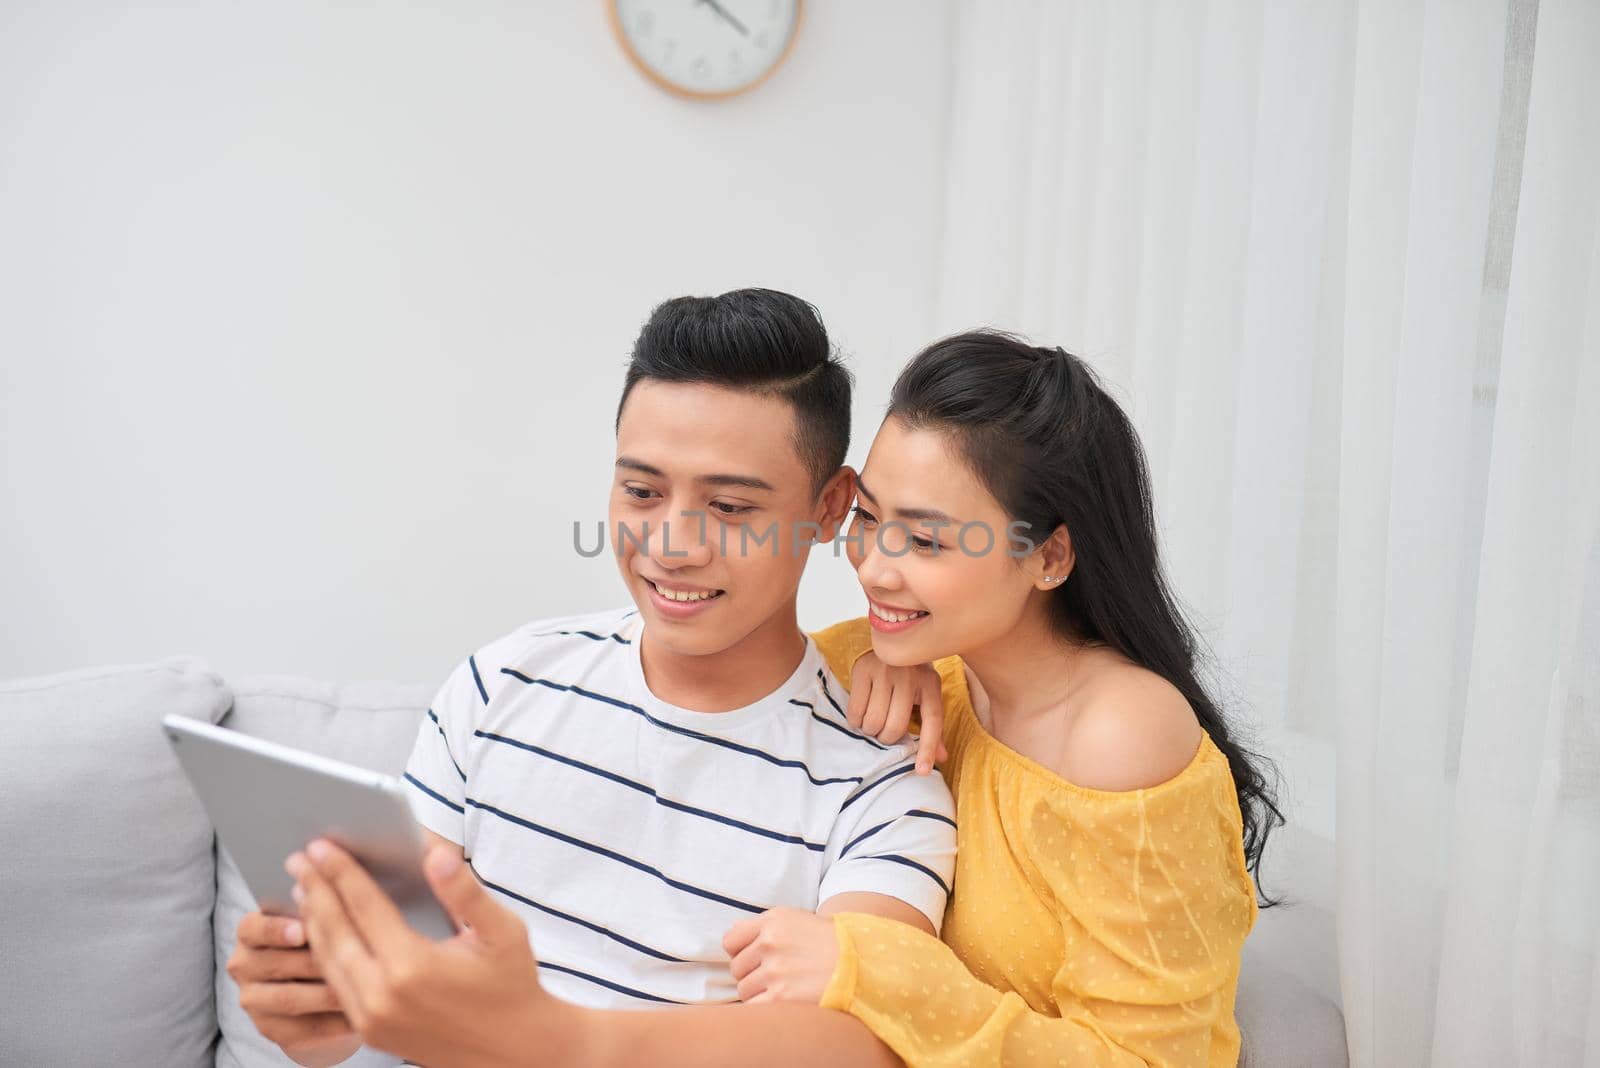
column 888, row 619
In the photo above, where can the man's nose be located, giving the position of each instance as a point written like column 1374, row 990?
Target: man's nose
column 680, row 542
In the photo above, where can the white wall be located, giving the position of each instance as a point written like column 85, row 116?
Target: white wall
column 313, row 316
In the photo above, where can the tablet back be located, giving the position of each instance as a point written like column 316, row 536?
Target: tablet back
column 268, row 800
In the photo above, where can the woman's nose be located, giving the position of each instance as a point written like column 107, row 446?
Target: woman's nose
column 876, row 569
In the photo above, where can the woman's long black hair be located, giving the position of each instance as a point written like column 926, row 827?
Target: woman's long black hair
column 1054, row 448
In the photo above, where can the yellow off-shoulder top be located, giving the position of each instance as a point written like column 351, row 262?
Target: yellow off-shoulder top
column 1085, row 927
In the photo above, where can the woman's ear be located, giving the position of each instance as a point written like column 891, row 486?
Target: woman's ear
column 833, row 503
column 1054, row 560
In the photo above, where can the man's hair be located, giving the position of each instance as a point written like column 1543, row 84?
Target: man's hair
column 762, row 341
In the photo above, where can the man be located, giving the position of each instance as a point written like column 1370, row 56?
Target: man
column 633, row 783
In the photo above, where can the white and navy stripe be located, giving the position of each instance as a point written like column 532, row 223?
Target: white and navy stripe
column 630, row 834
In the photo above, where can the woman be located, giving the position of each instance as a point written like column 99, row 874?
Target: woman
column 1107, row 820
column 1109, row 823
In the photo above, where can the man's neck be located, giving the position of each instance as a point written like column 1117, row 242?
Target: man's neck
column 739, row 675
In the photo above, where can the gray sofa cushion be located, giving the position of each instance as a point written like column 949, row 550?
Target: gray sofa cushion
column 106, row 883
column 1283, row 1022
column 369, row 724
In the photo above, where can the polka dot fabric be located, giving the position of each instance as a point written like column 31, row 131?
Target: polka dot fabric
column 1086, row 927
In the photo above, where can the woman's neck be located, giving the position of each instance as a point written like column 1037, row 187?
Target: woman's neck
column 1025, row 674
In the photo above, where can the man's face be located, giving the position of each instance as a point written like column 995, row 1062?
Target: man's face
column 728, row 458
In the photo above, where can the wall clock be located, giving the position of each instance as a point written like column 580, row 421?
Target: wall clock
column 706, row 48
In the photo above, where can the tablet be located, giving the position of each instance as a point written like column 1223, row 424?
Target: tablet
column 268, row 801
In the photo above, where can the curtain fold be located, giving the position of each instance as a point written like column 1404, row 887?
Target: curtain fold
column 1342, row 260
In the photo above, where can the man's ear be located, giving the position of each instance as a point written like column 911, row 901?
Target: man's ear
column 833, row 502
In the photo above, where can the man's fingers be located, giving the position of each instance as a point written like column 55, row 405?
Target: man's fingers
column 467, row 900
column 348, row 972
column 376, row 919
column 287, row 999
column 260, row 930
column 273, row 965
column 303, row 1033
column 343, row 956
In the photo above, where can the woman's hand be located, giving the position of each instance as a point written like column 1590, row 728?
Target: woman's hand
column 474, row 999
column 882, row 699
column 782, row 955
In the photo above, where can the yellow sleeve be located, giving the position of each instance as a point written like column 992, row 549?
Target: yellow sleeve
column 1155, row 906
column 911, row 991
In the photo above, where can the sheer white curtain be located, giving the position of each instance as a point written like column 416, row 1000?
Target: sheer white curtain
column 1343, row 262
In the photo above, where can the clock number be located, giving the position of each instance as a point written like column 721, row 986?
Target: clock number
column 705, row 48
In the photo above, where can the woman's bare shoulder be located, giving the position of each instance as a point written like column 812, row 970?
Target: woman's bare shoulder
column 1131, row 729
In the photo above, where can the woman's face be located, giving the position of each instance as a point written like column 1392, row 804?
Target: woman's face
column 933, row 552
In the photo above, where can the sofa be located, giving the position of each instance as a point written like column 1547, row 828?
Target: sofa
column 117, row 908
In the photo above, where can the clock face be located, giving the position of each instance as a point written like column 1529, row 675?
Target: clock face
column 707, row 47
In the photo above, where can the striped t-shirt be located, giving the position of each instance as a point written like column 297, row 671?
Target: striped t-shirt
column 630, row 834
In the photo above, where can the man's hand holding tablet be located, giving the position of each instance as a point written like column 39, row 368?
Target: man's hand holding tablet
column 266, row 802
column 474, row 999
column 282, row 989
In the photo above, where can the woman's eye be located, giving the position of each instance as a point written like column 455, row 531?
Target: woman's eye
column 923, row 544
column 864, row 515
column 732, row 509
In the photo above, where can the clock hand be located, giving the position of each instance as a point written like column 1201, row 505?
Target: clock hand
column 726, row 17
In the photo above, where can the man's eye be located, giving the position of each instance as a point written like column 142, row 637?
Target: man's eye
column 732, row 509
column 638, row 493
